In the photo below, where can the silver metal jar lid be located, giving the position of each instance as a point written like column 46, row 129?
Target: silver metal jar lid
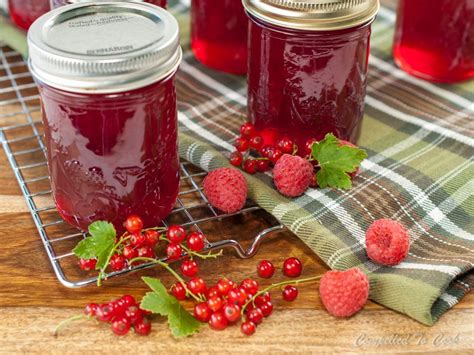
column 314, row 15
column 104, row 47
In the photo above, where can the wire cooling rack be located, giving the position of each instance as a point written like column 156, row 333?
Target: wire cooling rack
column 21, row 135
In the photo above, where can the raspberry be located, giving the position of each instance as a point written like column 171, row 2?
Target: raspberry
column 344, row 293
column 387, row 242
column 226, row 189
column 292, row 175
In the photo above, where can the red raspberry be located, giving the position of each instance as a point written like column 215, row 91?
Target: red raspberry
column 292, row 175
column 387, row 242
column 226, row 189
column 344, row 293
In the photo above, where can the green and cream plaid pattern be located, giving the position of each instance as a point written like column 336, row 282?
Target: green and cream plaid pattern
column 420, row 172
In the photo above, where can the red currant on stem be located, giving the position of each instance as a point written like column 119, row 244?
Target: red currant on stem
column 232, row 312
column 237, row 296
column 266, row 308
column 146, row 252
column 242, row 144
column 189, row 268
column 263, row 165
column 262, row 299
column 121, row 325
column 248, row 328
column 275, row 155
column 212, row 291
column 129, row 252
column 137, row 239
column 174, row 251
column 196, row 241
column 265, row 269
column 236, row 158
column 104, row 313
column 250, row 166
column 286, row 145
column 202, row 312
column 314, row 180
column 289, row 293
column 197, row 286
column 218, row 321
column 152, row 237
column 176, row 234
column 256, row 142
column 133, row 224
column 117, row 262
column 179, row 291
column 128, row 300
column 143, row 326
column 255, row 316
column 224, row 286
column 248, row 130
column 134, row 314
column 87, row 264
column 309, row 146
column 215, row 303
column 292, row 267
column 91, row 309
column 250, row 286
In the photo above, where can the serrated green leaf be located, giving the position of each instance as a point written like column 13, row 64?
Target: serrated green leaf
column 336, row 162
column 180, row 321
column 99, row 244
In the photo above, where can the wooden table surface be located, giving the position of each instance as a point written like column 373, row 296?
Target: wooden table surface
column 32, row 302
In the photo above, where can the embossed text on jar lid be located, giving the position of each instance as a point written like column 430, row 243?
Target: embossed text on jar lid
column 104, row 47
column 314, row 15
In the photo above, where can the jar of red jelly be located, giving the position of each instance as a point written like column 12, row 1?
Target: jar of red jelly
column 434, row 39
column 58, row 3
column 106, row 80
column 219, row 34
column 24, row 12
column 308, row 67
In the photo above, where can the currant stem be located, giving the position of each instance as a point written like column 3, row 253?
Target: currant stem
column 279, row 284
column 195, row 253
column 67, row 321
column 171, row 271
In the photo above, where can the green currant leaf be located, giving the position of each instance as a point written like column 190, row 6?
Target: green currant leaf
column 180, row 321
column 336, row 162
column 99, row 244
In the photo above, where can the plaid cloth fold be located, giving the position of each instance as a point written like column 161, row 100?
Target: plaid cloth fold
column 419, row 171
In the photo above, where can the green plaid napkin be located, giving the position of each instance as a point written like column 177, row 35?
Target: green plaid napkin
column 419, row 171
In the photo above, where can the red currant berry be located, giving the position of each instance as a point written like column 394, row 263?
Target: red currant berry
column 178, row 291
column 127, row 301
column 263, row 165
column 121, row 325
column 224, row 286
column 275, row 155
column 174, row 251
column 236, row 158
column 262, row 299
column 241, row 144
column 256, row 142
column 248, row 328
column 91, row 309
column 266, row 150
column 218, row 321
column 146, row 252
column 237, row 296
column 314, row 181
column 137, row 239
column 248, row 130
column 133, row 224
column 232, row 312
column 87, row 264
column 266, row 308
column 142, row 327
column 250, row 286
column 213, row 291
column 292, row 267
column 196, row 241
column 202, row 312
column 289, row 293
column 265, row 269
column 197, row 286
column 189, row 268
column 152, row 237
column 250, row 166
column 117, row 262
column 255, row 316
column 215, row 303
column 134, row 314
column 176, row 234
column 104, row 312
column 308, row 147
column 130, row 252
column 286, row 145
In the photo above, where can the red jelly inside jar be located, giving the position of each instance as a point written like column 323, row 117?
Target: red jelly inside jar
column 111, row 122
column 434, row 39
column 58, row 3
column 219, row 34
column 24, row 12
column 305, row 83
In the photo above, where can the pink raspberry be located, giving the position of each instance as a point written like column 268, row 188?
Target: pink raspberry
column 292, row 175
column 226, row 189
column 387, row 242
column 344, row 293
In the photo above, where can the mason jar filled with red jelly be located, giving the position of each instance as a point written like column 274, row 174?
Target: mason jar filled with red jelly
column 106, row 79
column 24, row 12
column 308, row 67
column 58, row 3
column 219, row 34
column 434, row 39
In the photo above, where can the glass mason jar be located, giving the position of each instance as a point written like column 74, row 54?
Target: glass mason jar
column 109, row 109
column 24, row 12
column 434, row 39
column 58, row 3
column 219, row 34
column 308, row 67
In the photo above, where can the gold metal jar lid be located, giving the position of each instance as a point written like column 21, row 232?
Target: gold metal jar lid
column 314, row 15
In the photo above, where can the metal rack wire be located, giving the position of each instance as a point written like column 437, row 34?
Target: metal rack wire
column 21, row 136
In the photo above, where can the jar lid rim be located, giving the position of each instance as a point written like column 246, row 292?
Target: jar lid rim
column 104, row 47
